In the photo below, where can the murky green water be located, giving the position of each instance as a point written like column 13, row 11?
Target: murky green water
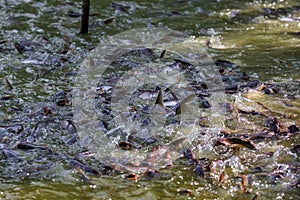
column 261, row 36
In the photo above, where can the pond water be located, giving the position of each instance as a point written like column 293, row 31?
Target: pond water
column 41, row 52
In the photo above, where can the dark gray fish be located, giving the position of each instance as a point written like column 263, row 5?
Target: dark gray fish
column 28, row 146
column 293, row 129
column 199, row 170
column 120, row 7
column 125, row 145
column 73, row 14
column 108, row 21
column 78, row 165
column 9, row 154
column 273, row 124
column 25, row 45
column 226, row 64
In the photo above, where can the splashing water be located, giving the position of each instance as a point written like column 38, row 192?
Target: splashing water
column 172, row 138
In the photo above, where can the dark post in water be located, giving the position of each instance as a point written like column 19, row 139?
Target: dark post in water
column 85, row 16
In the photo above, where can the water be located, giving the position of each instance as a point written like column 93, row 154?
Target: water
column 261, row 36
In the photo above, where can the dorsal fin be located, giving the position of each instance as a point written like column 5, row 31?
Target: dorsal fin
column 186, row 100
column 159, row 99
column 7, row 84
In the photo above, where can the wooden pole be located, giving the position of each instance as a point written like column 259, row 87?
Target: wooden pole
column 85, row 16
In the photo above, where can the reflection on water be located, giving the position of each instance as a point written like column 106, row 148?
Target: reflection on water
column 40, row 53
